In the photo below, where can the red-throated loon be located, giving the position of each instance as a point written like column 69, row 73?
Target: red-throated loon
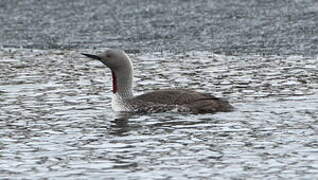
column 181, row 100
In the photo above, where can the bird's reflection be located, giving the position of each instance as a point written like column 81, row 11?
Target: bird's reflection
column 119, row 126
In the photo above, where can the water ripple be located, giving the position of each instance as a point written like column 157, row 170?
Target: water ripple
column 56, row 119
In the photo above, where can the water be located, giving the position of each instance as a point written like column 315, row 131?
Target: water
column 231, row 27
column 55, row 116
column 56, row 119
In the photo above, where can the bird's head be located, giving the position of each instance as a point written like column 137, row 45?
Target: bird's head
column 113, row 58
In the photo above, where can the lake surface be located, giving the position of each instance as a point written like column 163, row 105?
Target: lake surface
column 56, row 119
column 231, row 27
column 55, row 116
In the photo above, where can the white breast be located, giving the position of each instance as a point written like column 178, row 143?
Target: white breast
column 118, row 104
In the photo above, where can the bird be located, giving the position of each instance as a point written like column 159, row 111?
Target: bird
column 165, row 100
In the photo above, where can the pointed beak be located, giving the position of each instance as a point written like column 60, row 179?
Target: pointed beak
column 92, row 56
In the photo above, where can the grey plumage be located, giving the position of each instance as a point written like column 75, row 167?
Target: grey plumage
column 180, row 100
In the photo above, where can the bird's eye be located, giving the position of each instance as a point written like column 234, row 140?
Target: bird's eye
column 108, row 55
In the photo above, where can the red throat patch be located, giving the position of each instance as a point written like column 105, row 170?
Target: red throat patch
column 114, row 82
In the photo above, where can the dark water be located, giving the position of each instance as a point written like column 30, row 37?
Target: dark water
column 55, row 116
column 240, row 26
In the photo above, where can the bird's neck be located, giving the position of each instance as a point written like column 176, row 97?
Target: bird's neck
column 122, row 83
